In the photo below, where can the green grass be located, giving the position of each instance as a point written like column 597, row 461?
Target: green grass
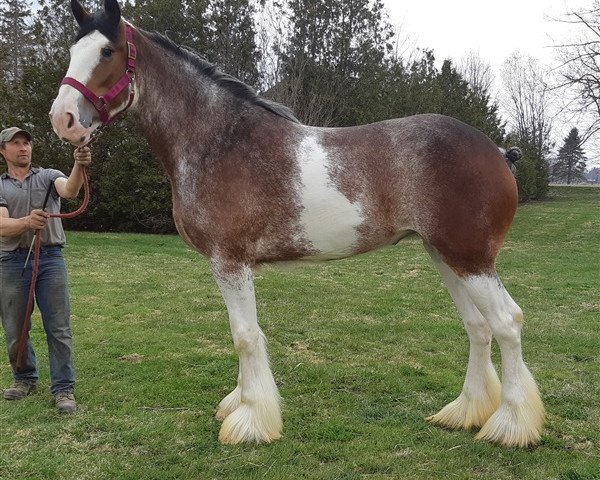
column 362, row 350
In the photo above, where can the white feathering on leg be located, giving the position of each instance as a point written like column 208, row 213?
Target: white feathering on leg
column 471, row 410
column 229, row 403
column 517, row 424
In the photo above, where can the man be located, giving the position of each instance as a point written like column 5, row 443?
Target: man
column 22, row 193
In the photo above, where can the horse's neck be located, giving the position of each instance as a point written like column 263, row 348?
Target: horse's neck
column 179, row 110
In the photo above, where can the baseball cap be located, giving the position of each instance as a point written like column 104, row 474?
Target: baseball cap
column 8, row 134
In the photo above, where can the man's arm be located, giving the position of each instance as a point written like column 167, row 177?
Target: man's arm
column 69, row 187
column 13, row 227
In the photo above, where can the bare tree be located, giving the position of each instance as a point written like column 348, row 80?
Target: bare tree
column 580, row 69
column 477, row 73
column 527, row 101
column 272, row 26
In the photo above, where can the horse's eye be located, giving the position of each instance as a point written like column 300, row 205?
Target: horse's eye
column 106, row 52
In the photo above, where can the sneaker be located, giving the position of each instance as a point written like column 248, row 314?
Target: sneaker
column 65, row 402
column 19, row 390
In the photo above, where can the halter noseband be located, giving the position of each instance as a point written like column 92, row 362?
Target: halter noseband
column 101, row 103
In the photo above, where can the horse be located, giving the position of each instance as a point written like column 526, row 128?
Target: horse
column 252, row 185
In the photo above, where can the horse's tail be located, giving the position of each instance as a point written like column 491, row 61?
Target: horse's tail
column 512, row 155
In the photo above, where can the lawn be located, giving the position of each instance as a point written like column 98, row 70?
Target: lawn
column 362, row 350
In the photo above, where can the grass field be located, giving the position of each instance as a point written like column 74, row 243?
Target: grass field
column 362, row 350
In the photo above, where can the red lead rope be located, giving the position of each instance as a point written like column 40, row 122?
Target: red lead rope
column 36, row 260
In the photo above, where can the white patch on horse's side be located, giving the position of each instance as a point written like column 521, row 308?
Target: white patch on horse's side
column 328, row 219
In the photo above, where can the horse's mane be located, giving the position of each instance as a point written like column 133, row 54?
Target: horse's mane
column 235, row 86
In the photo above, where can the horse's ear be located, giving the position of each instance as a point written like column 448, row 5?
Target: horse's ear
column 113, row 10
column 79, row 12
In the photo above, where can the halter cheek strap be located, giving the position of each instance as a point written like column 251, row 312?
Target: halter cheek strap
column 101, row 103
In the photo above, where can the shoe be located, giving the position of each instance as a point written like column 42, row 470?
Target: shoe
column 19, row 390
column 65, row 402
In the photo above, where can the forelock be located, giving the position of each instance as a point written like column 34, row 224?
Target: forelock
column 101, row 22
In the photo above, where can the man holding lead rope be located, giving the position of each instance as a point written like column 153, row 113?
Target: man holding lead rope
column 23, row 191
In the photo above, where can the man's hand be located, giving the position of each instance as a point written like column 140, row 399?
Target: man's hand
column 37, row 219
column 83, row 156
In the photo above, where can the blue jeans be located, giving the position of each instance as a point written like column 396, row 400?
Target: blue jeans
column 52, row 297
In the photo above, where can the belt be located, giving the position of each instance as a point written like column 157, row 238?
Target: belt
column 44, row 247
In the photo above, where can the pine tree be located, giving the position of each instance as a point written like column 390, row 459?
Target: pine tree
column 15, row 51
column 172, row 18
column 570, row 164
column 230, row 38
column 15, row 37
column 333, row 58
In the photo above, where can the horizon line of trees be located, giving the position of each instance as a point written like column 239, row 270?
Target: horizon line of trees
column 334, row 62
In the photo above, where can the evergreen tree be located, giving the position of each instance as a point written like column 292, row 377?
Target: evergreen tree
column 420, row 87
column 230, row 39
column 15, row 51
column 333, row 58
column 167, row 17
column 570, row 164
column 15, row 44
column 457, row 99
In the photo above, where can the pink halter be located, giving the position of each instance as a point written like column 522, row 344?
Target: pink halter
column 101, row 103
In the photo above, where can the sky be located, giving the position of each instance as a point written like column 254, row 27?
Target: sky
column 493, row 30
column 453, row 28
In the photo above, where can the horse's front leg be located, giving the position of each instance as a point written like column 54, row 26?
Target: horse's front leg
column 252, row 411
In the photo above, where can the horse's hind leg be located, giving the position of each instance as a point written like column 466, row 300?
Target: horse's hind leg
column 519, row 419
column 480, row 394
column 251, row 412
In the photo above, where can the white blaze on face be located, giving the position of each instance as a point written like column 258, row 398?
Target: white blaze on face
column 329, row 220
column 85, row 55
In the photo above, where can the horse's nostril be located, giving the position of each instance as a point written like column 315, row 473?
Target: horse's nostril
column 71, row 120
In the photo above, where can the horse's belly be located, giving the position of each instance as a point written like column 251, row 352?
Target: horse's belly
column 331, row 229
column 328, row 221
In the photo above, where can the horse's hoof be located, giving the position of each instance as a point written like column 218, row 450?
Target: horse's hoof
column 469, row 412
column 244, row 425
column 514, row 426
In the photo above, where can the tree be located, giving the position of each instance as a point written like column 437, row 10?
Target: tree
column 528, row 101
column 15, row 51
column 477, row 73
column 15, row 41
column 231, row 39
column 332, row 59
column 172, row 18
column 570, row 163
column 457, row 98
column 420, row 87
column 593, row 175
column 580, row 69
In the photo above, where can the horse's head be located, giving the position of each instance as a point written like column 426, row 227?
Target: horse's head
column 99, row 81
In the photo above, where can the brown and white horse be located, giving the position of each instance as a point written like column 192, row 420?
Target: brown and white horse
column 252, row 185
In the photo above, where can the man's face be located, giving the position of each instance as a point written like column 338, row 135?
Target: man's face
column 17, row 152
